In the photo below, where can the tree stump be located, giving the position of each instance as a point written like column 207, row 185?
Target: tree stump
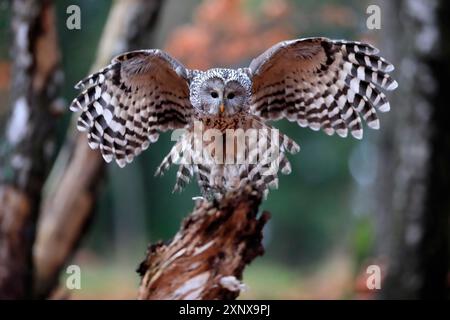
column 206, row 258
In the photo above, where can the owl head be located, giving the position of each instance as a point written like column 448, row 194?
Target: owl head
column 221, row 92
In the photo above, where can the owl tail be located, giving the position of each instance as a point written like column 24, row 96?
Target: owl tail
column 262, row 173
column 179, row 154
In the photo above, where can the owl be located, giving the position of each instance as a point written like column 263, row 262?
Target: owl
column 322, row 84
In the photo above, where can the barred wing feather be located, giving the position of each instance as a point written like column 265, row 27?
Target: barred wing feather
column 125, row 105
column 322, row 84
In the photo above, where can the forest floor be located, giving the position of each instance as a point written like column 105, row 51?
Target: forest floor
column 332, row 279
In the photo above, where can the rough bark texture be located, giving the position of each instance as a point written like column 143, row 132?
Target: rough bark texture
column 413, row 202
column 206, row 258
column 73, row 186
column 28, row 142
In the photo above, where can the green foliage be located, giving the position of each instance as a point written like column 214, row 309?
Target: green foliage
column 5, row 14
column 363, row 239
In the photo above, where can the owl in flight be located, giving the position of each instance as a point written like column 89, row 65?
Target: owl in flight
column 316, row 82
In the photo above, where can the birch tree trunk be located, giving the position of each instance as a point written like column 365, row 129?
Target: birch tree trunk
column 28, row 141
column 74, row 183
column 414, row 184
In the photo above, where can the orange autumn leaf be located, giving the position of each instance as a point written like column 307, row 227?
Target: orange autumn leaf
column 5, row 74
column 225, row 33
column 337, row 15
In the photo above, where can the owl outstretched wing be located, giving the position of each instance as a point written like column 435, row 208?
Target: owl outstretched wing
column 322, row 84
column 125, row 105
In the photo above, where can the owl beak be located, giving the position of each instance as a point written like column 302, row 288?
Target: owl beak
column 222, row 108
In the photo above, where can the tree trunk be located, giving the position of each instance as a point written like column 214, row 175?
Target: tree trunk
column 73, row 186
column 206, row 258
column 28, row 142
column 413, row 202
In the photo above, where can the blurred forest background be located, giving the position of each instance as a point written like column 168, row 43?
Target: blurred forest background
column 347, row 203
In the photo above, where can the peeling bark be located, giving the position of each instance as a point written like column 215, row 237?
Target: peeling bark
column 28, row 145
column 206, row 258
column 72, row 189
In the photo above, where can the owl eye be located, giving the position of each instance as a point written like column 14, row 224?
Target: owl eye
column 230, row 95
column 214, row 94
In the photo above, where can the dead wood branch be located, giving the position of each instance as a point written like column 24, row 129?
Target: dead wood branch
column 206, row 258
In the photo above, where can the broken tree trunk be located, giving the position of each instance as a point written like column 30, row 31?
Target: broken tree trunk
column 27, row 147
column 206, row 258
column 72, row 188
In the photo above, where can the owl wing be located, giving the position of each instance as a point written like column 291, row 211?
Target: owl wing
column 322, row 84
column 125, row 105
